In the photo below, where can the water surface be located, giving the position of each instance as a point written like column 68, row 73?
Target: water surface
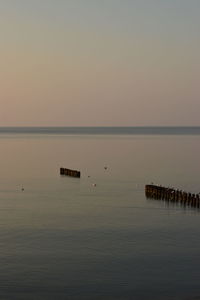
column 63, row 238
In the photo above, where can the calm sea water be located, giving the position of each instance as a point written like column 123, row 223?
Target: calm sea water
column 63, row 238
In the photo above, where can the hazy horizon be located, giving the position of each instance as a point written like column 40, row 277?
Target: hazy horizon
column 100, row 130
column 99, row 63
column 102, row 126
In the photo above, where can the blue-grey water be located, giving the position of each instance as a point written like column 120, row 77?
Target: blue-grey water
column 64, row 238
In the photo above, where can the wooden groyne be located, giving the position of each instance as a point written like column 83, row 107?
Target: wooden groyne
column 171, row 194
column 69, row 172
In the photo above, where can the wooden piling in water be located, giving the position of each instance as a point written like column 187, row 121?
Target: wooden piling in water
column 170, row 194
column 69, row 172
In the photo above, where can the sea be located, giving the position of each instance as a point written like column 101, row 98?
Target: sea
column 98, row 237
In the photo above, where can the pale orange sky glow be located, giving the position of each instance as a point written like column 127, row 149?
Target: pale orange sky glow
column 106, row 63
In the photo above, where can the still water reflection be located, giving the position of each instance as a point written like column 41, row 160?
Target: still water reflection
column 64, row 238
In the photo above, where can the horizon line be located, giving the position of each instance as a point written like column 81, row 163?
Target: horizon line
column 115, row 126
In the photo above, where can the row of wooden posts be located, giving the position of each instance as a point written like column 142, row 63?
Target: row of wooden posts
column 171, row 194
column 69, row 172
column 155, row 191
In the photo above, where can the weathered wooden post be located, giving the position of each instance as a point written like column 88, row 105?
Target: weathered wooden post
column 171, row 194
column 69, row 172
column 62, row 171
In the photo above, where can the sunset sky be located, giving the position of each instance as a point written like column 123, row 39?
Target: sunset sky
column 99, row 62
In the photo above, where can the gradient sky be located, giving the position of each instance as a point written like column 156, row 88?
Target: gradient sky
column 99, row 62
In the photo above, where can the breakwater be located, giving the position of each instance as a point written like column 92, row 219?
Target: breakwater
column 171, row 194
column 69, row 172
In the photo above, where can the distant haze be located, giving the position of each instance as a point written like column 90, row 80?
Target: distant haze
column 99, row 63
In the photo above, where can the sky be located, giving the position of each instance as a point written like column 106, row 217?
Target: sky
column 99, row 62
